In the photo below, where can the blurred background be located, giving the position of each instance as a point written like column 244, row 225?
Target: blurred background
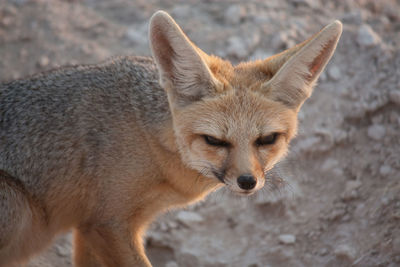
column 336, row 198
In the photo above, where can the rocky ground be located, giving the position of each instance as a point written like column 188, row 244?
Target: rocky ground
column 340, row 205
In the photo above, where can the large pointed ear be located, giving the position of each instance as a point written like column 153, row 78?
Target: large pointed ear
column 296, row 70
column 182, row 66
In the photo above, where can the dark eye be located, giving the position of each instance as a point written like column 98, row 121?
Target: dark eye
column 267, row 140
column 212, row 141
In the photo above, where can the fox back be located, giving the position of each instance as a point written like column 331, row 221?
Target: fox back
column 104, row 148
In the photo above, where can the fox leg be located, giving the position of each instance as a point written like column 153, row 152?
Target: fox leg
column 83, row 254
column 20, row 222
column 108, row 245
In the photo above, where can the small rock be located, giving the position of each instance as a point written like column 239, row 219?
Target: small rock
column 337, row 213
column 323, row 251
column 62, row 251
column 320, row 141
column 241, row 47
column 19, row 2
column 6, row 21
column 137, row 34
column 323, row 76
column 172, row 224
column 43, row 61
column 237, row 47
column 346, row 252
column 329, row 164
column 350, row 191
column 353, row 185
column 234, row 14
column 163, row 227
column 385, row 170
column 171, row 264
column 376, row 132
column 385, row 200
column 346, row 218
column 287, row 239
column 377, row 119
column 189, row 217
column 306, row 3
column 260, row 54
column 334, row 73
column 156, row 238
column 355, row 17
column 280, row 41
column 188, row 258
column 367, row 37
column 182, row 11
column 395, row 97
column 15, row 75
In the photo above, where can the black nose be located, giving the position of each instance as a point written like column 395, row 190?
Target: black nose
column 246, row 181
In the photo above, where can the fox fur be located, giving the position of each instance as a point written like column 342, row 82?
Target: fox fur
column 103, row 149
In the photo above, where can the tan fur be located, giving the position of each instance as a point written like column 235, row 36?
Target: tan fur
column 103, row 149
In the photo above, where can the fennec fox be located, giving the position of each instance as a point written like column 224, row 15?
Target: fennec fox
column 105, row 148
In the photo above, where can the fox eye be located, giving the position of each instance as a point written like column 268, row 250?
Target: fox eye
column 267, row 140
column 212, row 141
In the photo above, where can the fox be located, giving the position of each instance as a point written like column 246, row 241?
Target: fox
column 103, row 149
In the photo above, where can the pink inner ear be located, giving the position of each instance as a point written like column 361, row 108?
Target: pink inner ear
column 319, row 61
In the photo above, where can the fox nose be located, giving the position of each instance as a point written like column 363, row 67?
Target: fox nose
column 246, row 181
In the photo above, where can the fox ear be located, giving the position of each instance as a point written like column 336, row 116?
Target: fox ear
column 296, row 70
column 184, row 73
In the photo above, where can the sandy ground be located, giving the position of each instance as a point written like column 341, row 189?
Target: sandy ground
column 341, row 202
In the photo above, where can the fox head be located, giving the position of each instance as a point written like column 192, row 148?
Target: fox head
column 233, row 123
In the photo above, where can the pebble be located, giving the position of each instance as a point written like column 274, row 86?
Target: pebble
column 334, row 73
column 306, row 3
column 260, row 54
column 354, row 17
column 234, row 14
column 62, row 251
column 189, row 217
column 350, row 191
column 156, row 238
column 237, row 47
column 181, row 11
column 385, row 170
column 353, row 185
column 137, row 34
column 172, row 225
column 287, row 239
column 19, row 2
column 330, row 164
column 376, row 132
column 320, row 141
column 163, row 227
column 346, row 252
column 43, row 61
column 367, row 37
column 188, row 258
column 241, row 46
column 171, row 264
column 323, row 252
column 323, row 76
column 280, row 41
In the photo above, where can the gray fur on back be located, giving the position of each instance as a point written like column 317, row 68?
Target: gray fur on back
column 60, row 124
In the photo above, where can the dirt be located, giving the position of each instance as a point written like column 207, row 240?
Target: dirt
column 336, row 198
